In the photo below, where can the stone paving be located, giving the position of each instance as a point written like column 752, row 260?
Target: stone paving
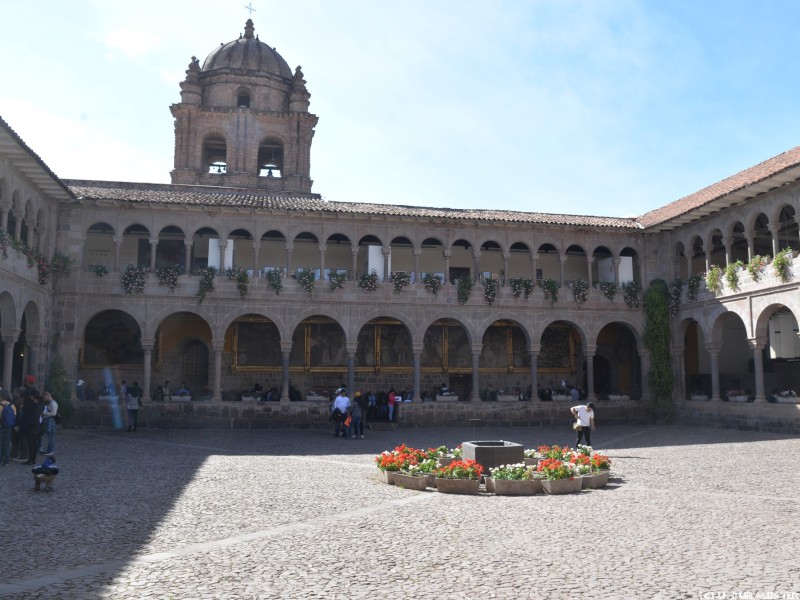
column 689, row 513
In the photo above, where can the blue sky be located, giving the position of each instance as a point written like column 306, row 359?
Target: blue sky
column 578, row 107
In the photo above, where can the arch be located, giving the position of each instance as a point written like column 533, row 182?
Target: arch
column 737, row 242
column 112, row 338
column 170, row 250
column 255, row 343
column 8, row 314
column 561, row 348
column 762, row 235
column 620, row 372
column 135, row 247
column 462, row 261
column 681, row 267
column 214, row 154
column 491, row 262
column 698, row 255
column 716, row 253
column 548, row 262
column 788, row 234
column 271, row 157
column 243, row 97
column 576, row 265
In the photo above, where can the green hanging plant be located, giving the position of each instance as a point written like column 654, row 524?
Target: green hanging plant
column 756, row 266
column 400, row 280
column 521, row 285
column 489, row 291
column 550, row 289
column 61, row 263
column 207, row 275
column 714, row 280
column 241, row 277
column 169, row 276
column 631, row 291
column 336, row 281
column 609, row 289
column 432, row 283
column 732, row 275
column 657, row 339
column 134, row 279
column 692, row 286
column 275, row 280
column 368, row 281
column 464, row 289
column 580, row 290
column 306, row 280
column 675, row 292
column 782, row 264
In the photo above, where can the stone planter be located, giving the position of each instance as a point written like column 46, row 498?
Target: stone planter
column 386, row 476
column 698, row 397
column 512, row 487
column 530, row 462
column 410, row 482
column 594, row 481
column 562, row 486
column 737, row 398
column 787, row 399
column 457, row 486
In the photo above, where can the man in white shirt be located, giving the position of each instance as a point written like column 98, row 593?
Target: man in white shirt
column 584, row 415
column 340, row 407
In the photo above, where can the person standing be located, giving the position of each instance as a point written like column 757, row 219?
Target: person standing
column 391, row 402
column 357, row 409
column 49, row 422
column 8, row 420
column 133, row 402
column 584, row 415
column 31, row 413
column 341, row 405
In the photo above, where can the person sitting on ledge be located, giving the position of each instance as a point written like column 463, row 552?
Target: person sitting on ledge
column 183, row 390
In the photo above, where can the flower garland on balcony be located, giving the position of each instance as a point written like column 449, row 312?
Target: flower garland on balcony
column 169, row 276
column 550, row 289
column 609, row 289
column 714, row 280
column 99, row 269
column 631, row 290
column 693, row 286
column 756, row 266
column 275, row 280
column 5, row 241
column 207, row 275
column 241, row 277
column 61, row 263
column 732, row 275
column 782, row 264
column 464, row 289
column 336, row 281
column 34, row 258
column 580, row 291
column 520, row 285
column 306, row 280
column 38, row 259
column 368, row 282
column 675, row 292
column 400, row 280
column 134, row 280
column 489, row 291
column 432, row 283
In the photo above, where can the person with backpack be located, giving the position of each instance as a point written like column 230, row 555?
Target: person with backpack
column 8, row 420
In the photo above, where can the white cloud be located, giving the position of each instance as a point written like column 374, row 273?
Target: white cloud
column 133, row 44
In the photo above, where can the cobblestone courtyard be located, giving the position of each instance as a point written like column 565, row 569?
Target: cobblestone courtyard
column 690, row 513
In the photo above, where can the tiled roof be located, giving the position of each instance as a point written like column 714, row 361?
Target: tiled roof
column 205, row 196
column 740, row 181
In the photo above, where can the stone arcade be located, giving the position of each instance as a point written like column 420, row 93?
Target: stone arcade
column 241, row 199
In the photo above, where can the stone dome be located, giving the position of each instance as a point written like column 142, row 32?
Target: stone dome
column 248, row 54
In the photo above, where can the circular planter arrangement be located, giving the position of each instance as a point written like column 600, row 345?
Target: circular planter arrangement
column 550, row 470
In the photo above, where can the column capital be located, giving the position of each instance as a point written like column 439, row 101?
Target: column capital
column 286, row 347
column 757, row 343
column 217, row 345
column 589, row 351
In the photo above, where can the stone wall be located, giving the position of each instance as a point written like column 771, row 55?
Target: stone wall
column 749, row 416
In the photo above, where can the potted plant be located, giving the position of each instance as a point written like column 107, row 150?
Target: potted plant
column 169, row 276
column 275, row 280
column 134, row 280
column 306, row 281
column 550, row 288
column 514, row 480
column 714, row 280
column 559, row 477
column 520, row 285
column 241, row 277
column 99, row 269
column 459, row 477
column 336, row 281
column 732, row 275
column 736, row 395
column 782, row 265
column 400, row 280
column 464, row 289
column 693, row 286
column 756, row 267
column 368, row 282
column 489, row 291
column 432, row 283
column 609, row 289
column 631, row 291
column 417, row 475
column 207, row 275
column 580, row 291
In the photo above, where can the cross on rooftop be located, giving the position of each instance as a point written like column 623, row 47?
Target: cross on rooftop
column 250, row 8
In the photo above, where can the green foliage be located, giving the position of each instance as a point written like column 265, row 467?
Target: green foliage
column 306, row 280
column 782, row 264
column 550, row 289
column 692, row 286
column 609, row 289
column 336, row 281
column 657, row 339
column 521, row 285
column 489, row 291
column 580, row 291
column 714, row 280
column 275, row 280
column 732, row 275
column 432, row 283
column 675, row 292
column 631, row 291
column 756, row 267
column 207, row 276
column 464, row 289
column 59, row 387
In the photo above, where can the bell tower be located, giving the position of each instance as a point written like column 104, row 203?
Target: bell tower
column 243, row 120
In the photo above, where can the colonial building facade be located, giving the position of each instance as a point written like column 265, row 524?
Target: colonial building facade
column 236, row 274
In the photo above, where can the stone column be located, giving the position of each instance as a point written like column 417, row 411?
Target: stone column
column 18, row 224
column 589, row 356
column 476, row 359
column 387, row 252
column 289, row 249
column 689, row 266
column 354, row 267
column 476, row 262
column 589, row 263
column 4, row 218
column 535, row 349
column 187, row 255
column 147, row 346
column 678, row 372
column 286, row 348
column 322, row 250
column 713, row 352
column 223, row 247
column 707, row 256
column 727, row 251
column 750, row 246
column 256, row 258
column 153, row 248
column 117, row 251
column 534, row 261
column 216, row 346
column 774, row 242
column 33, row 350
column 562, row 261
column 617, row 263
column 351, row 367
column 504, row 278
column 417, row 277
column 757, row 345
column 9, row 339
column 446, row 268
column 416, row 350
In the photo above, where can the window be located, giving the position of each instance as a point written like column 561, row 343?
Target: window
column 243, row 100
